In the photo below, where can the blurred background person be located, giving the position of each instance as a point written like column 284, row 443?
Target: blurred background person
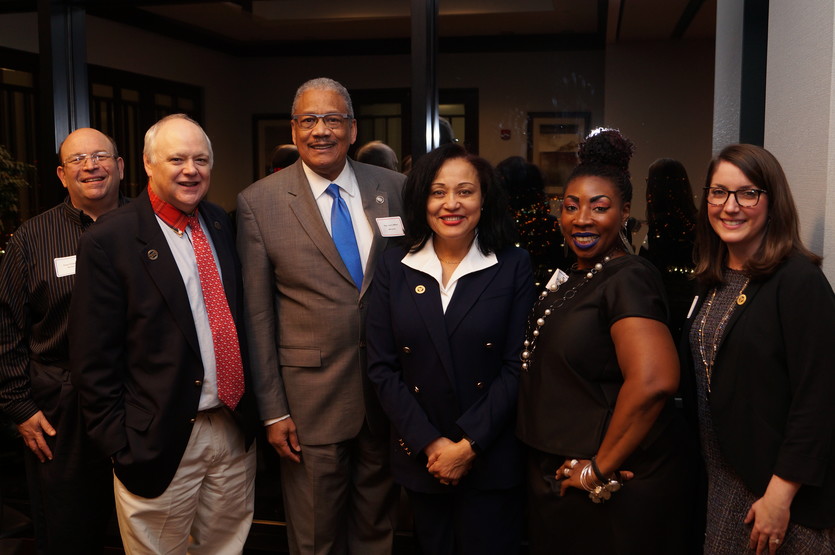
column 599, row 368
column 539, row 231
column 671, row 218
column 446, row 135
column 760, row 337
column 445, row 326
column 378, row 153
column 283, row 156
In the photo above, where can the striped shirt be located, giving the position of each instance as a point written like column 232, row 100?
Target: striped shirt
column 37, row 275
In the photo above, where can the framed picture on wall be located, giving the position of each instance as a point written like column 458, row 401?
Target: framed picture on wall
column 268, row 131
column 553, row 141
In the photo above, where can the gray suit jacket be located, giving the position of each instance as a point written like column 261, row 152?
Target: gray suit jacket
column 304, row 313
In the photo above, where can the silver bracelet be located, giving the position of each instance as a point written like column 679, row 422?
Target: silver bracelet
column 599, row 491
column 587, row 479
column 604, row 492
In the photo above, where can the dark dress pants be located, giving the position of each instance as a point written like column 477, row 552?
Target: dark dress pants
column 72, row 495
column 468, row 521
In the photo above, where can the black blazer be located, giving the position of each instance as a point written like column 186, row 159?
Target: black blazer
column 773, row 384
column 134, row 353
column 450, row 374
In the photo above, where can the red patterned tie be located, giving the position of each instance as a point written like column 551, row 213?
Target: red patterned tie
column 230, row 372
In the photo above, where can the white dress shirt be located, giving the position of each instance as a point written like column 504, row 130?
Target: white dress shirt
column 349, row 190
column 183, row 251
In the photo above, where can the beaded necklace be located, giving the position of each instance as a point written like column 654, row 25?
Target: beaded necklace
column 530, row 342
column 708, row 353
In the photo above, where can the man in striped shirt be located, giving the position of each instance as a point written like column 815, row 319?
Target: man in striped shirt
column 70, row 486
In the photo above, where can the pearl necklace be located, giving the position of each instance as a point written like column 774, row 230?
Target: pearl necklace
column 530, row 342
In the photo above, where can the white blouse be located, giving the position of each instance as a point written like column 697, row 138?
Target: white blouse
column 425, row 260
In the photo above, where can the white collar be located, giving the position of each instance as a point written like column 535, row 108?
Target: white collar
column 425, row 260
column 346, row 181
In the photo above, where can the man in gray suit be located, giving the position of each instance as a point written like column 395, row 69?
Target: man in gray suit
column 309, row 237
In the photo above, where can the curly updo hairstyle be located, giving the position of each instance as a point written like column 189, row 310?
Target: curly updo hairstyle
column 606, row 153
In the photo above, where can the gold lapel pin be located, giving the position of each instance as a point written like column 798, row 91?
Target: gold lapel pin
column 153, row 254
column 420, row 289
column 380, row 199
column 741, row 299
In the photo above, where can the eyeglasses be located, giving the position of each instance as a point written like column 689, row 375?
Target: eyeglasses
column 747, row 198
column 95, row 158
column 332, row 121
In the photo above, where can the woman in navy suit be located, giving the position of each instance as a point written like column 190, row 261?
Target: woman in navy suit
column 445, row 325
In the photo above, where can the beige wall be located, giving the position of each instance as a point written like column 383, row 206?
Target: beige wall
column 19, row 31
column 224, row 89
column 660, row 95
column 512, row 85
column 122, row 47
column 657, row 93
column 799, row 114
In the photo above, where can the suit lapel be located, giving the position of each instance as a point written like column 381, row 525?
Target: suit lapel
column 750, row 292
column 158, row 261
column 426, row 295
column 469, row 289
column 307, row 212
column 375, row 202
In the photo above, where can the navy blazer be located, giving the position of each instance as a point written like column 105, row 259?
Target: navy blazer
column 450, row 374
column 773, row 384
column 134, row 354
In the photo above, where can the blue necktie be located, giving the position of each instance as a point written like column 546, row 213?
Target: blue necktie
column 343, row 235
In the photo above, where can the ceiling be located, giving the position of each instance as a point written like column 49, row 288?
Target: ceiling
column 351, row 27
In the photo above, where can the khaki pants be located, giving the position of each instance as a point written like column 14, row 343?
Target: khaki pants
column 207, row 508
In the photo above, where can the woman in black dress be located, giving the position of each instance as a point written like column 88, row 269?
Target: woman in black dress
column 607, row 468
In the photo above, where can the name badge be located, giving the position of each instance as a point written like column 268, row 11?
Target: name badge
column 692, row 306
column 558, row 278
column 391, row 227
column 64, row 266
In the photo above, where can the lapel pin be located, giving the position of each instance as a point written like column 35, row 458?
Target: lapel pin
column 380, row 199
column 741, row 299
column 420, row 289
column 217, row 225
column 153, row 254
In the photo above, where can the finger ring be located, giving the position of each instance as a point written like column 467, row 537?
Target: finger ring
column 574, row 462
column 566, row 471
column 775, row 541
